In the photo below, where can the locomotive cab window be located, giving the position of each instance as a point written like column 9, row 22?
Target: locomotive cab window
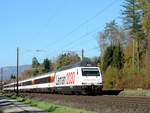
column 90, row 72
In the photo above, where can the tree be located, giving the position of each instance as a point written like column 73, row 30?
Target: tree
column 12, row 77
column 35, row 62
column 47, row 65
column 113, row 57
column 108, row 55
column 144, row 5
column 96, row 60
column 112, row 36
column 26, row 74
column 35, row 71
column 133, row 23
column 103, row 42
column 35, row 65
column 118, row 57
column 132, row 17
column 86, row 61
column 114, row 33
column 67, row 58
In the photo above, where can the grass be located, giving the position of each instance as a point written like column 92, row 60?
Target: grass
column 27, row 101
column 48, row 107
column 135, row 92
column 56, row 108
column 13, row 97
column 20, row 99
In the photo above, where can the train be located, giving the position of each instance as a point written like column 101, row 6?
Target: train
column 74, row 79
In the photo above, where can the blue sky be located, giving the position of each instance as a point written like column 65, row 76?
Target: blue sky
column 52, row 26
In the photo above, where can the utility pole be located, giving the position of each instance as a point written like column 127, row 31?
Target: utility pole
column 133, row 55
column 82, row 54
column 17, row 70
column 1, row 78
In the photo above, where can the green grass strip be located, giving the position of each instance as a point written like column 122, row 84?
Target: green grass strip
column 48, row 107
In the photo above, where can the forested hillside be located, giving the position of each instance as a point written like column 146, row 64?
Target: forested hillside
column 125, row 50
column 9, row 71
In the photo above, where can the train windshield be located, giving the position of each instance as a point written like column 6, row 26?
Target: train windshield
column 90, row 72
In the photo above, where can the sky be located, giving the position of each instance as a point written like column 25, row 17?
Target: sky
column 47, row 28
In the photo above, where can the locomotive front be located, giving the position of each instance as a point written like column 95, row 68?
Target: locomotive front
column 91, row 80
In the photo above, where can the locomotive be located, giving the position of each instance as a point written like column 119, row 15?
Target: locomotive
column 79, row 78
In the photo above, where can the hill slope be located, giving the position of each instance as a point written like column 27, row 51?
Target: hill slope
column 7, row 71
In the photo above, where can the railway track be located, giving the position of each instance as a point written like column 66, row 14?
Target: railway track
column 105, row 104
column 134, row 100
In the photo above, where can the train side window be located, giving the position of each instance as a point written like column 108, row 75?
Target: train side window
column 42, row 80
column 27, row 83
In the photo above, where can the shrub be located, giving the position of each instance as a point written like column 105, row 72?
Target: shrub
column 111, row 78
column 33, row 104
column 51, row 108
column 27, row 101
column 20, row 99
column 13, row 96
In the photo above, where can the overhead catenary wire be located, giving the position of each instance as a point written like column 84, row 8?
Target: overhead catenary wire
column 79, row 51
column 66, row 36
column 49, row 20
column 83, row 36
column 79, row 26
column 91, row 18
column 87, row 34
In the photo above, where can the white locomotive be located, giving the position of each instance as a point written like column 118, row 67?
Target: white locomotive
column 76, row 79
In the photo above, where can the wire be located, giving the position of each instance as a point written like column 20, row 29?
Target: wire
column 91, row 18
column 86, row 34
column 80, row 25
column 50, row 19
column 81, row 37
column 86, row 21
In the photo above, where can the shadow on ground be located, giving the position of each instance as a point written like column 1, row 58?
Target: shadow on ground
column 111, row 92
